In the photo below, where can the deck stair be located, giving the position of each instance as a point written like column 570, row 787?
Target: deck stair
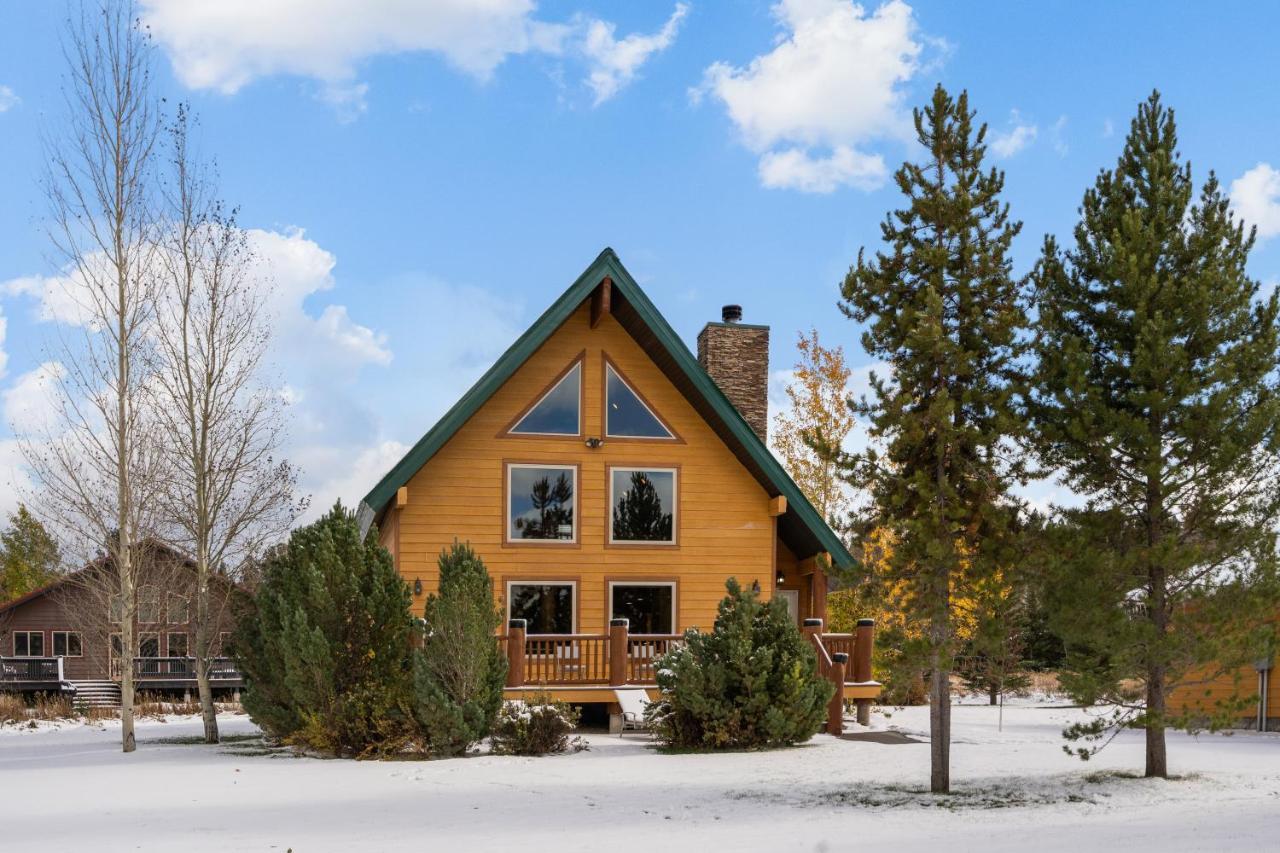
column 96, row 694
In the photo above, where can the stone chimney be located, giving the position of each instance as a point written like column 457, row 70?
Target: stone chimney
column 737, row 357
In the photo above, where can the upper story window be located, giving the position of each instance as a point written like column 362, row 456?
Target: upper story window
column 28, row 644
column 626, row 415
column 559, row 410
column 176, row 609
column 540, row 503
column 643, row 502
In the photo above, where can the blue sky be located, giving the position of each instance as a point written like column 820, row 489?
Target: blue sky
column 423, row 181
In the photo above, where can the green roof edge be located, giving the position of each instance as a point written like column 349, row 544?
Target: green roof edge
column 607, row 263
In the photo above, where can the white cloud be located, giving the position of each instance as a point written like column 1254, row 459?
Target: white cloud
column 32, row 401
column 1108, row 129
column 8, row 99
column 227, row 44
column 614, row 61
column 832, row 83
column 4, row 356
column 796, row 169
column 1005, row 144
column 1255, row 197
column 1058, row 136
column 334, row 475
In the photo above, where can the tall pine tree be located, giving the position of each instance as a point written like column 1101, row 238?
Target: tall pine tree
column 944, row 312
column 1156, row 400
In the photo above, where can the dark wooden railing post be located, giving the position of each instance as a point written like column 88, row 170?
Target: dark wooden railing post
column 835, row 708
column 515, row 653
column 618, row 643
column 862, row 645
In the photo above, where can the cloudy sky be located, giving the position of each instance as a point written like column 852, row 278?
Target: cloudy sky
column 422, row 179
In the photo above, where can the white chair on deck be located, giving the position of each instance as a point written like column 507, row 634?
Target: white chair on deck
column 633, row 701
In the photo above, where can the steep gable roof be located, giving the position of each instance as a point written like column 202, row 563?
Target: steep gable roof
column 801, row 526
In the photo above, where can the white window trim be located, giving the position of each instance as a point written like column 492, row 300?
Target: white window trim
column 28, row 635
column 675, row 507
column 67, row 642
column 577, row 366
column 169, row 652
column 185, row 616
column 675, row 605
column 670, row 436
column 573, row 601
column 508, row 534
column 140, row 636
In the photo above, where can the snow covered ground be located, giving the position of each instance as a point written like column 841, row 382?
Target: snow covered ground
column 69, row 787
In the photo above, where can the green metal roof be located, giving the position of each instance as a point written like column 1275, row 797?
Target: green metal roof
column 802, row 525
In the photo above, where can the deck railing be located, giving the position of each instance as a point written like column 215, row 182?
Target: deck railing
column 558, row 660
column 843, row 659
column 14, row 670
column 177, row 669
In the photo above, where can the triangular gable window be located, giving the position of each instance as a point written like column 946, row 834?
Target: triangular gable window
column 557, row 412
column 626, row 415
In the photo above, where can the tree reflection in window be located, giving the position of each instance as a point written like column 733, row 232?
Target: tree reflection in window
column 541, row 503
column 643, row 503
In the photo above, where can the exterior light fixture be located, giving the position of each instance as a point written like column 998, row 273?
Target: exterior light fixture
column 417, row 586
column 755, row 586
column 595, row 443
column 780, row 580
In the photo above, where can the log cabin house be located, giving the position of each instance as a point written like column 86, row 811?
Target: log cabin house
column 612, row 483
column 63, row 637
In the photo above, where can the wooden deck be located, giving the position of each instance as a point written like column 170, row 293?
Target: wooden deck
column 49, row 674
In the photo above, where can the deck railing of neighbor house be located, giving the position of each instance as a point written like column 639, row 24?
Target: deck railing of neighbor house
column 177, row 669
column 30, row 670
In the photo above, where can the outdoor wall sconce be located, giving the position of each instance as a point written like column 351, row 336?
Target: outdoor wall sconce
column 417, row 586
column 780, row 580
column 595, row 443
column 755, row 586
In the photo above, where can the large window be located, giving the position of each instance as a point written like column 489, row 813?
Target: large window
column 67, row 644
column 176, row 610
column 625, row 414
column 546, row 606
column 540, row 503
column 643, row 506
column 650, row 606
column 28, row 644
column 177, row 645
column 149, row 604
column 557, row 412
column 148, row 645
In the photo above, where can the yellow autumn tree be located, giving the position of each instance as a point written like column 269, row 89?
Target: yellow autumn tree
column 819, row 416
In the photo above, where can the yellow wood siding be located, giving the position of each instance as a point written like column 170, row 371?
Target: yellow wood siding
column 723, row 524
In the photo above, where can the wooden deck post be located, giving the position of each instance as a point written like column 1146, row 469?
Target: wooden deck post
column 618, row 643
column 863, row 643
column 515, row 653
column 835, row 709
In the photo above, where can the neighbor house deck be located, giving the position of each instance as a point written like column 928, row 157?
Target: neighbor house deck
column 35, row 674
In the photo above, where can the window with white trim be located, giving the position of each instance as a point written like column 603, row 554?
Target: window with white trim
column 540, row 503
column 177, row 611
column 176, row 644
column 548, row 607
column 649, row 606
column 67, row 644
column 28, row 644
column 643, row 505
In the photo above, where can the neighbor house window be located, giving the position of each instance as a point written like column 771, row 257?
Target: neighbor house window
column 67, row 644
column 148, row 645
column 546, row 606
column 148, row 604
column 643, row 502
column 176, row 610
column 177, row 645
column 540, row 503
column 224, row 642
column 625, row 414
column 28, row 644
column 116, row 612
column 558, row 411
column 650, row 606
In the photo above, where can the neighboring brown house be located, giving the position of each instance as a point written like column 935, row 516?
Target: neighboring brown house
column 64, row 637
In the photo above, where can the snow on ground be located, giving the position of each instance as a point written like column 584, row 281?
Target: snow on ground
column 68, row 787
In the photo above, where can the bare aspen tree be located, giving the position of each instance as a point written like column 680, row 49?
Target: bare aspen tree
column 227, row 495
column 95, row 465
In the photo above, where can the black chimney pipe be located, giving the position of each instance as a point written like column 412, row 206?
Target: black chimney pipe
column 731, row 313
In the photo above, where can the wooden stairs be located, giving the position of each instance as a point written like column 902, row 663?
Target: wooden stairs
column 96, row 694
